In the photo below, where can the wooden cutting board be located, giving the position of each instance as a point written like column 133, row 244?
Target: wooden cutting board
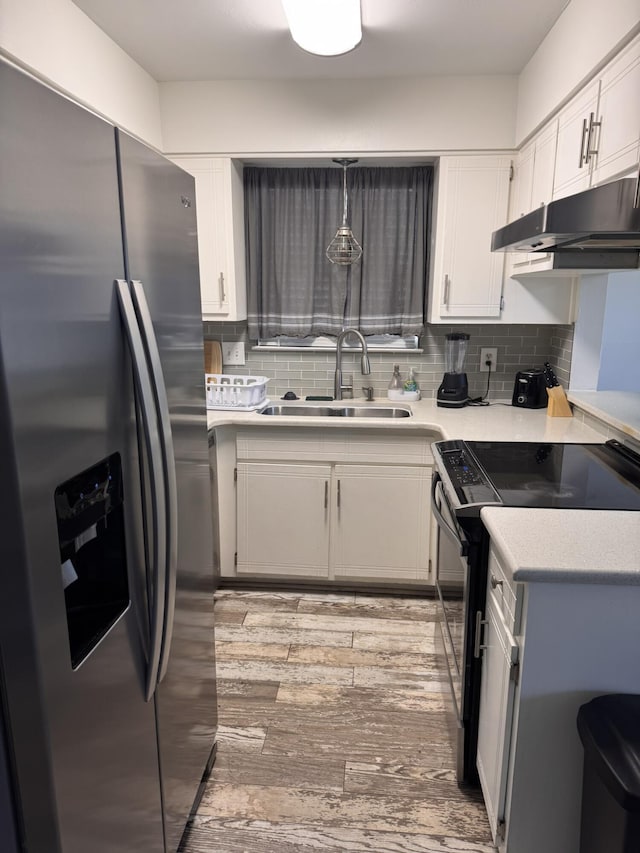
column 212, row 357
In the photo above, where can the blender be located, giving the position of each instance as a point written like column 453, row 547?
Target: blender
column 454, row 390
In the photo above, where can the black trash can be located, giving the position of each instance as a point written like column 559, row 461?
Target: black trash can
column 609, row 728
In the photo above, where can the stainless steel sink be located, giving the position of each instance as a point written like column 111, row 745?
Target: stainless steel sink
column 374, row 412
column 338, row 411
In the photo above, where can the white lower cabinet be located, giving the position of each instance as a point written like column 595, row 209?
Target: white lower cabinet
column 304, row 510
column 499, row 669
column 363, row 522
column 548, row 648
column 283, row 519
column 381, row 522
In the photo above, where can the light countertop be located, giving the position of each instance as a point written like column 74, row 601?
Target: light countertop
column 536, row 545
column 620, row 409
column 474, row 423
column 566, row 545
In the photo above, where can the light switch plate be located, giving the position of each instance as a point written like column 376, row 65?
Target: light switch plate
column 233, row 352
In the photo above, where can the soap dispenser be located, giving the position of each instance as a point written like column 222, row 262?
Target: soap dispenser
column 411, row 389
column 395, row 389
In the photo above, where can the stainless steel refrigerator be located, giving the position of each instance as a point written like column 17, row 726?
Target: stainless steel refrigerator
column 107, row 674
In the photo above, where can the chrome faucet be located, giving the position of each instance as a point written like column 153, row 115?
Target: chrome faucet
column 365, row 367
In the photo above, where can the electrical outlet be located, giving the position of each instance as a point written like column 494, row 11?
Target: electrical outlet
column 488, row 354
column 233, row 352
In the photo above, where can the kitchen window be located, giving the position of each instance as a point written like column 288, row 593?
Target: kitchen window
column 291, row 215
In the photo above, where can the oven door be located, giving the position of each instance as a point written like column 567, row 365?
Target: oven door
column 452, row 570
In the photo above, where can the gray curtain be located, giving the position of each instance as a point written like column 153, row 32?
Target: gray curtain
column 291, row 215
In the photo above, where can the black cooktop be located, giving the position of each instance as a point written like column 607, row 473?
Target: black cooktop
column 565, row 476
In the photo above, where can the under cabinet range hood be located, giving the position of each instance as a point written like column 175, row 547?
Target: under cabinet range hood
column 595, row 229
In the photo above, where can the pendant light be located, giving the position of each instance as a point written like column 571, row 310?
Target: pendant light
column 344, row 249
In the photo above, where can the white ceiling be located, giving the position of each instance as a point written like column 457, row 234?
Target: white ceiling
column 245, row 39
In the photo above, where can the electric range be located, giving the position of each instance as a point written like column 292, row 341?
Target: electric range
column 471, row 474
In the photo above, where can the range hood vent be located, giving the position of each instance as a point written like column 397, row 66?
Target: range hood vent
column 602, row 221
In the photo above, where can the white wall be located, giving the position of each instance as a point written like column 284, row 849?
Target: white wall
column 620, row 358
column 587, row 337
column 61, row 45
column 606, row 343
column 586, row 33
column 392, row 115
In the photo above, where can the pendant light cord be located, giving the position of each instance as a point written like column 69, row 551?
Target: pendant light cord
column 344, row 195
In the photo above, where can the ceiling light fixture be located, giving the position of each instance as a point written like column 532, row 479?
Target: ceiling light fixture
column 324, row 27
column 344, row 249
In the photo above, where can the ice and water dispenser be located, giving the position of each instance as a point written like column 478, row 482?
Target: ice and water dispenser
column 93, row 561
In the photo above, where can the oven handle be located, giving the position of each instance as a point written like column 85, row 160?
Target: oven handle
column 443, row 524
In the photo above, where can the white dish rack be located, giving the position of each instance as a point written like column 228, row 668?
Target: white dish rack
column 225, row 391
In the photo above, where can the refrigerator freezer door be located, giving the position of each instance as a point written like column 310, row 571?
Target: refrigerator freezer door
column 8, row 820
column 83, row 739
column 161, row 253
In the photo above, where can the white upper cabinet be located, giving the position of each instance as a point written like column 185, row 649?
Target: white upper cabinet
column 471, row 202
column 220, row 218
column 522, row 182
column 599, row 129
column 532, row 187
column 618, row 139
column 576, row 131
column 533, row 172
column 529, row 295
column 544, row 165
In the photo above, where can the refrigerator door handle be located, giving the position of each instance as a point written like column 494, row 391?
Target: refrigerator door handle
column 156, row 474
column 171, row 488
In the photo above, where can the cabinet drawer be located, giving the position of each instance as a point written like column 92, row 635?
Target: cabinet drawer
column 507, row 593
column 313, row 444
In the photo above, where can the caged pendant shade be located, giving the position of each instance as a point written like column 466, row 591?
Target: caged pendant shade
column 344, row 249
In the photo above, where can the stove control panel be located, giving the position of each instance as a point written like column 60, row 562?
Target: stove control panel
column 462, row 470
column 471, row 484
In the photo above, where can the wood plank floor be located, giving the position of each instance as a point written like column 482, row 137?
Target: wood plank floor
column 333, row 736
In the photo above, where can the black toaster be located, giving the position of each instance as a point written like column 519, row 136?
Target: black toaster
column 530, row 390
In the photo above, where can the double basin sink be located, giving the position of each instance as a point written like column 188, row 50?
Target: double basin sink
column 337, row 411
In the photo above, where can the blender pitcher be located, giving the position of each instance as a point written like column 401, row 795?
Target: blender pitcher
column 454, row 389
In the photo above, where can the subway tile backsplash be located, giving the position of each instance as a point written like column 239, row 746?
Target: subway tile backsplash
column 311, row 372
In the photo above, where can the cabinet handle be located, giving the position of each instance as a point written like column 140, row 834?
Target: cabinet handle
column 338, row 494
column 495, row 582
column 591, row 152
column 445, row 301
column 326, row 494
column 223, row 295
column 585, row 133
column 477, row 646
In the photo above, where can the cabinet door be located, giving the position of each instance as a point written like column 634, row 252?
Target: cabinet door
column 220, row 218
column 617, row 140
column 381, row 522
column 283, row 519
column 497, row 691
column 215, row 280
column 542, row 184
column 209, row 178
column 573, row 167
column 472, row 202
column 522, row 183
column 532, row 186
